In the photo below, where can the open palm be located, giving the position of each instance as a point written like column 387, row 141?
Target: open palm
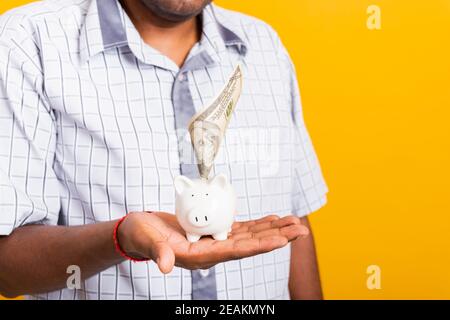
column 164, row 241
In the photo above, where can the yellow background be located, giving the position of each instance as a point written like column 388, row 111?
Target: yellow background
column 377, row 104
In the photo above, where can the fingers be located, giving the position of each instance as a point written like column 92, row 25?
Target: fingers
column 246, row 239
column 268, row 244
column 279, row 223
column 265, row 223
column 267, row 240
column 304, row 231
column 245, row 225
column 164, row 256
column 290, row 232
column 253, row 246
column 250, row 243
column 271, row 226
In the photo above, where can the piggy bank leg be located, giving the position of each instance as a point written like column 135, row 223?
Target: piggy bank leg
column 220, row 236
column 192, row 237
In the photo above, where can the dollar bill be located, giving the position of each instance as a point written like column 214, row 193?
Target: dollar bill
column 207, row 127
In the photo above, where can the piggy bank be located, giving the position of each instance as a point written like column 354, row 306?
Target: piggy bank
column 205, row 207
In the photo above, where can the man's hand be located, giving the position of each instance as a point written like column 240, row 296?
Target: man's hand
column 159, row 237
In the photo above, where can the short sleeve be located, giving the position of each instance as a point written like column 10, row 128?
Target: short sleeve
column 309, row 189
column 28, row 184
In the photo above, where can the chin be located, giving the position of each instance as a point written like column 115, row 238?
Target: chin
column 176, row 10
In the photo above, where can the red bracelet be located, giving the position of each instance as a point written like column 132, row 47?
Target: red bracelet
column 117, row 245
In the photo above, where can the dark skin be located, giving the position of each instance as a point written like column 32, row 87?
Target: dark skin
column 35, row 258
column 304, row 279
column 170, row 26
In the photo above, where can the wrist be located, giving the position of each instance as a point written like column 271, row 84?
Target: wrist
column 123, row 239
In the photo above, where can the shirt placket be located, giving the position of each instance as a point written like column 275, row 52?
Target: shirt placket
column 204, row 285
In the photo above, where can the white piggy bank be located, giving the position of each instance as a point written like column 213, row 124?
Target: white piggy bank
column 205, row 207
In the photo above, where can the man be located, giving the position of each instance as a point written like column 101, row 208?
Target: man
column 93, row 97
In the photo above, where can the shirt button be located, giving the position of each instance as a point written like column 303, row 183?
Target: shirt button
column 204, row 273
column 182, row 77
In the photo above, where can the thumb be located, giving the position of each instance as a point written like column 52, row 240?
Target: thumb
column 164, row 256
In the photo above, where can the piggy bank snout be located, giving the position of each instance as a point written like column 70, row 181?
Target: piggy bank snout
column 200, row 218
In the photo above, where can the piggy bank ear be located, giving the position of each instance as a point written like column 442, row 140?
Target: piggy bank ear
column 181, row 183
column 220, row 180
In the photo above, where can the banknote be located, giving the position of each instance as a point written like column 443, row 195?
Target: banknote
column 207, row 127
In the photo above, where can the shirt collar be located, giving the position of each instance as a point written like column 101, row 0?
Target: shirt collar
column 107, row 26
column 219, row 32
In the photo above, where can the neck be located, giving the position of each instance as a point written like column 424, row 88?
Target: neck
column 173, row 39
